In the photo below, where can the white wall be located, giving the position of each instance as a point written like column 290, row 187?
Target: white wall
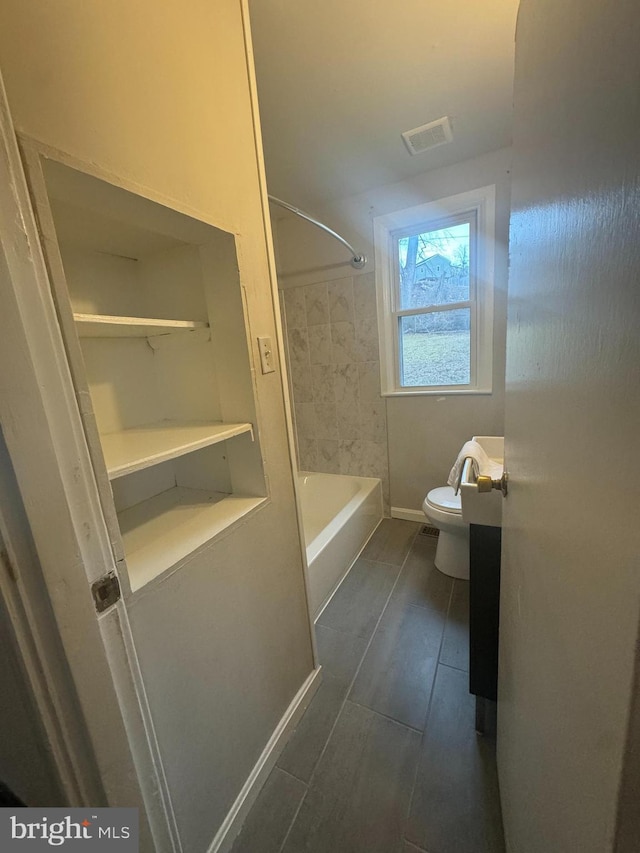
column 424, row 433
column 158, row 95
column 570, row 579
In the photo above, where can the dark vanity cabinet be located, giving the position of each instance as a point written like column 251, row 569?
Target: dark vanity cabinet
column 484, row 619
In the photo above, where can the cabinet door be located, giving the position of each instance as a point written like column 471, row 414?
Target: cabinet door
column 484, row 609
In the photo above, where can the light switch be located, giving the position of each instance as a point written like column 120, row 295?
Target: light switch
column 266, row 355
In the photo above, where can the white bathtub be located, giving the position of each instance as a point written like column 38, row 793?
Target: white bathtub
column 339, row 514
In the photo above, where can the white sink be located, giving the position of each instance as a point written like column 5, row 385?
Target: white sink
column 482, row 507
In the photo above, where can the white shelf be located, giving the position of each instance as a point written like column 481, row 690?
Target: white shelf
column 140, row 447
column 110, row 326
column 158, row 533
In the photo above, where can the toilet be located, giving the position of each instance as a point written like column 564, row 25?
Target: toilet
column 443, row 508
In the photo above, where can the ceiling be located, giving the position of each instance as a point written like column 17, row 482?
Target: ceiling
column 339, row 81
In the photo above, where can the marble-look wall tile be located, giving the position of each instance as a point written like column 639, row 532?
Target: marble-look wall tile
column 363, row 458
column 301, row 382
column 341, row 301
column 335, row 378
column 328, row 456
column 346, row 386
column 364, row 295
column 374, row 460
column 375, row 463
column 373, row 421
column 307, row 454
column 306, row 420
column 367, row 339
column 343, row 343
column 294, row 307
column 317, row 304
column 326, row 420
column 298, row 345
column 369, row 380
column 323, row 383
column 348, row 420
column 350, row 456
column 320, row 344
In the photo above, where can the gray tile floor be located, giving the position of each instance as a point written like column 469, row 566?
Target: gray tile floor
column 386, row 759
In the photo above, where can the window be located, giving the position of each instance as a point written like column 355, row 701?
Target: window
column 434, row 277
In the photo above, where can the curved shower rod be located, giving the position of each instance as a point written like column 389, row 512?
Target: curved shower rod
column 358, row 260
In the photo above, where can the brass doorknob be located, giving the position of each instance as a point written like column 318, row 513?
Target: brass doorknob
column 486, row 484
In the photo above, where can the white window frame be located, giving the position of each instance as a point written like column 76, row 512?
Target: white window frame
column 479, row 204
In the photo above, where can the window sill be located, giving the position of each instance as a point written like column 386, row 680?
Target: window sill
column 448, row 392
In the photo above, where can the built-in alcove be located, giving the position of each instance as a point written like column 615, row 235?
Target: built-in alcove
column 150, row 302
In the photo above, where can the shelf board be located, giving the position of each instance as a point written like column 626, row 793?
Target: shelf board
column 140, row 447
column 110, row 326
column 161, row 531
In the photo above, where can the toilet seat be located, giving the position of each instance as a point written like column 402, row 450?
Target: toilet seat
column 445, row 499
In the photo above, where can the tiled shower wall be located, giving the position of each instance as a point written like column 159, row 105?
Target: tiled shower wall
column 340, row 417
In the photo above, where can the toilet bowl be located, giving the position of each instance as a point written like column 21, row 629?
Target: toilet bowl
column 443, row 508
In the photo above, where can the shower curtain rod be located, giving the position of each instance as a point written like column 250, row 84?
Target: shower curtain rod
column 358, row 260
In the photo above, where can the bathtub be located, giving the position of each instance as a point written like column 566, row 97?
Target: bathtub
column 339, row 514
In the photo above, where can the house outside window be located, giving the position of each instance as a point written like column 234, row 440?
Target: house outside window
column 434, row 279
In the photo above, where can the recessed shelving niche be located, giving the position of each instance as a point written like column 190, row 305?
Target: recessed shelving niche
column 136, row 448
column 151, row 305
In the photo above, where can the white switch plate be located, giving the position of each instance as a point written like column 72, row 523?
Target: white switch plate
column 266, row 355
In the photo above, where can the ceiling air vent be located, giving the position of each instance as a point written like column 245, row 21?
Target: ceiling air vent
column 428, row 136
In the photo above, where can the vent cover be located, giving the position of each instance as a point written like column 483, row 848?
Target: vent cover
column 428, row 530
column 428, row 136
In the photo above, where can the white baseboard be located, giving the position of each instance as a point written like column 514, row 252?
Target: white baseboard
column 232, row 824
column 408, row 514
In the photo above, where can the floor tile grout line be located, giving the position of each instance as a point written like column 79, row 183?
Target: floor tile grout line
column 450, row 666
column 383, row 562
column 317, row 621
column 295, row 815
column 349, row 686
column 454, row 587
column 429, row 610
column 426, row 720
column 421, row 606
column 386, row 716
column 289, row 773
column 293, row 820
column 348, row 572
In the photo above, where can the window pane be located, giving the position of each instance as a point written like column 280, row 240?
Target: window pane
column 434, row 267
column 435, row 349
